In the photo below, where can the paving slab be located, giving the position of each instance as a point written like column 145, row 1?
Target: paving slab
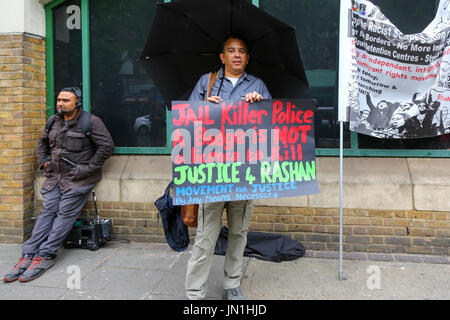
column 165, row 297
column 152, row 271
column 18, row 292
column 112, row 283
column 173, row 283
column 143, row 259
column 316, row 278
column 10, row 253
column 56, row 276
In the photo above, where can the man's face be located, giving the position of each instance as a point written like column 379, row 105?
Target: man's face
column 422, row 107
column 382, row 105
column 397, row 120
column 66, row 102
column 235, row 57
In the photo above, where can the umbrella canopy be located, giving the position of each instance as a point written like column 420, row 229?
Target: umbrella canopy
column 185, row 41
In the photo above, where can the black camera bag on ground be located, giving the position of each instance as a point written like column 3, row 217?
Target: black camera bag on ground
column 89, row 233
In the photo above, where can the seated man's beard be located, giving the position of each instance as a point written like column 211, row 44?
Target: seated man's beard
column 64, row 112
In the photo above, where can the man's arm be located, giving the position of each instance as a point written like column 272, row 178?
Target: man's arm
column 101, row 137
column 369, row 102
column 265, row 92
column 43, row 150
column 198, row 94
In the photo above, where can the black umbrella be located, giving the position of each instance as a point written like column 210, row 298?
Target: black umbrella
column 185, row 41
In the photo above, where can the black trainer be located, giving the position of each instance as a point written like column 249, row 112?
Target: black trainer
column 19, row 268
column 38, row 266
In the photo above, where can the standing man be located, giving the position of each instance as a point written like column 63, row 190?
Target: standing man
column 71, row 151
column 232, row 83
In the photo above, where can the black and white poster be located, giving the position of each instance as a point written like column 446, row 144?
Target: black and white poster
column 394, row 85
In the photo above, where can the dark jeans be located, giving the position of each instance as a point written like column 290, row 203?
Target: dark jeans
column 60, row 211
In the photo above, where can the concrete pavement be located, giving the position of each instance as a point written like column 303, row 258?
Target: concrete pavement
column 152, row 271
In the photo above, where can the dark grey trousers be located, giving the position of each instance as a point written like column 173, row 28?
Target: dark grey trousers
column 59, row 213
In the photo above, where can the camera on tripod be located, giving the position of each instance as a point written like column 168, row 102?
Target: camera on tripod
column 89, row 233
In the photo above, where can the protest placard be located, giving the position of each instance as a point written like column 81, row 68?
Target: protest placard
column 236, row 150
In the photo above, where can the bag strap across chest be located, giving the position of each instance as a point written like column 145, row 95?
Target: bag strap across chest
column 211, row 80
column 84, row 123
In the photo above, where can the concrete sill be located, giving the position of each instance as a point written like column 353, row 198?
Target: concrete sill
column 368, row 183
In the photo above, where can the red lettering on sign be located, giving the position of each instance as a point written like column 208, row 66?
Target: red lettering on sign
column 290, row 116
column 187, row 115
column 240, row 115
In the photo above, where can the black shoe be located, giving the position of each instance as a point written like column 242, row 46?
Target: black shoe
column 38, row 266
column 19, row 268
column 234, row 294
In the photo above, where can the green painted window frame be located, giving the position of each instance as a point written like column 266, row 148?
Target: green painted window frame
column 353, row 151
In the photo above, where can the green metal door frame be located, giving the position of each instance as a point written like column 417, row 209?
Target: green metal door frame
column 353, row 151
column 85, row 54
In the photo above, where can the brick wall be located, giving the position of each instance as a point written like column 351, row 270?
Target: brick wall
column 376, row 231
column 22, row 118
column 381, row 231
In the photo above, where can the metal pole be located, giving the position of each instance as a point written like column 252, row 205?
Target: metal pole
column 341, row 151
column 344, row 68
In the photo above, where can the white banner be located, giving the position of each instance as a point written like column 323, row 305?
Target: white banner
column 393, row 85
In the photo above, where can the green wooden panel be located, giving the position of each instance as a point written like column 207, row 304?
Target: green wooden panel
column 50, row 101
column 85, row 54
column 53, row 4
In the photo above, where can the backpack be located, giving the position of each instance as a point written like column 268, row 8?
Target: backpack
column 84, row 123
column 264, row 246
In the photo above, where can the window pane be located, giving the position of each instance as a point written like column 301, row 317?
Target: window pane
column 316, row 24
column 409, row 19
column 67, row 46
column 122, row 93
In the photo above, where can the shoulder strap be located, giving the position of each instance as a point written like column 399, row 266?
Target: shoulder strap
column 211, row 81
column 85, row 122
column 49, row 123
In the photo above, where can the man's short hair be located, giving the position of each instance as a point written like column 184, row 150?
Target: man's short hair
column 233, row 36
column 75, row 90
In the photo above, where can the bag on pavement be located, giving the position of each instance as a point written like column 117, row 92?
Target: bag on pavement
column 264, row 246
column 175, row 230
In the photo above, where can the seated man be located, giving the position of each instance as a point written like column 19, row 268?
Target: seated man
column 72, row 159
